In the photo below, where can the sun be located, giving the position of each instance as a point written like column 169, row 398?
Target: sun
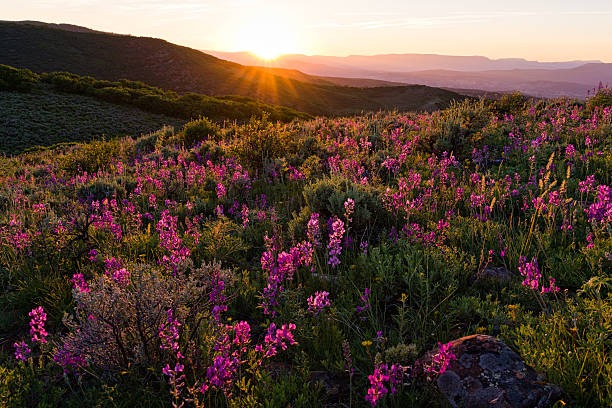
column 268, row 38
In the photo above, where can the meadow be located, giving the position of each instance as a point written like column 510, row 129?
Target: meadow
column 237, row 264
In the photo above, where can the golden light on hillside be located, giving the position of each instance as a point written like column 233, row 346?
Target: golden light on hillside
column 268, row 37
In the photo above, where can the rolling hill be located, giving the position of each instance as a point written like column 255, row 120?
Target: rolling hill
column 44, row 48
column 543, row 79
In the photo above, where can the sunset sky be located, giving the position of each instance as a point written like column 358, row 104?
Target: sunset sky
column 545, row 30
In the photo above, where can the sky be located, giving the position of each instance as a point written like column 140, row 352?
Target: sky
column 543, row 30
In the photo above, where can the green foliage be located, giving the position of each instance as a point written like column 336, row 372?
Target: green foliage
column 510, row 104
column 327, row 195
column 199, row 130
column 573, row 345
column 601, row 99
column 13, row 79
column 156, row 100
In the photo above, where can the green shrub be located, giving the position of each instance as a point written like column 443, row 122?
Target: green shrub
column 199, row 130
column 13, row 79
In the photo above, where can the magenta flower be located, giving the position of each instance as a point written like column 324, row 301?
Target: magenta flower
column 377, row 385
column 22, row 350
column 314, row 231
column 349, row 209
column 79, row 283
column 169, row 333
column 317, row 302
column 441, row 360
column 37, row 324
column 335, row 242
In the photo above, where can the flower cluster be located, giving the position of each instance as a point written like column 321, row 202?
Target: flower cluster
column 441, row 360
column 335, row 242
column 318, row 302
column 349, row 209
column 532, row 275
column 37, row 325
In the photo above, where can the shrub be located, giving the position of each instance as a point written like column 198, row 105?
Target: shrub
column 13, row 79
column 199, row 130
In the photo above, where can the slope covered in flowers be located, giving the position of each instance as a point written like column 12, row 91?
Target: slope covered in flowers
column 228, row 266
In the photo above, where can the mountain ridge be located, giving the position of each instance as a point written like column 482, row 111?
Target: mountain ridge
column 169, row 66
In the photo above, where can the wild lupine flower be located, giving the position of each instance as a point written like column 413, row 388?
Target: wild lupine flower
column 531, row 273
column 318, row 302
column 314, row 232
column 92, row 255
column 79, row 283
column 217, row 296
column 67, row 359
column 22, row 350
column 349, row 209
column 152, row 201
column 221, row 191
column 552, row 287
column 377, row 385
column 170, row 240
column 335, row 240
column 601, row 210
column 348, row 359
column 219, row 210
column 37, row 324
column 590, row 241
column 245, row 215
column 396, row 377
column 220, row 374
column 587, row 185
column 365, row 302
column 178, row 368
column 114, row 269
column 442, row 359
column 276, row 338
column 169, row 333
column 570, row 152
column 364, row 247
column 243, row 334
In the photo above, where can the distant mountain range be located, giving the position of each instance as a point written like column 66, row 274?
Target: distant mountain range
column 543, row 79
column 44, row 47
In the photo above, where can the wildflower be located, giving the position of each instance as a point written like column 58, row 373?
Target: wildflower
column 37, row 324
column 441, row 360
column 217, row 296
column 531, row 273
column 335, row 239
column 21, row 350
column 79, row 283
column 377, row 388
column 349, row 209
column 364, row 247
column 245, row 215
column 317, row 302
column 314, row 232
column 365, row 302
column 92, row 255
column 168, row 333
column 221, row 192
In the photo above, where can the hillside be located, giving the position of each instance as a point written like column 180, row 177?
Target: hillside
column 44, row 48
column 47, row 117
column 259, row 264
column 63, row 107
column 542, row 79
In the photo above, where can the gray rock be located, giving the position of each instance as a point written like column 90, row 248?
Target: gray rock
column 488, row 374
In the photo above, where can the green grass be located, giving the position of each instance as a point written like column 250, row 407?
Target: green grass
column 45, row 118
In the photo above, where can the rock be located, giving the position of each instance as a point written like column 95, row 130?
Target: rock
column 494, row 273
column 487, row 373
